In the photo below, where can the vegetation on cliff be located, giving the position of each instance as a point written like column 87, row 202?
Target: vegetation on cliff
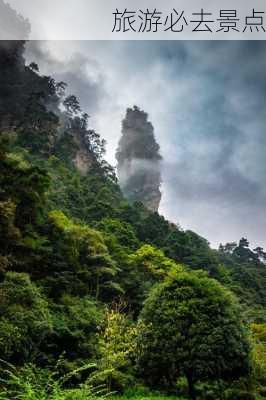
column 104, row 287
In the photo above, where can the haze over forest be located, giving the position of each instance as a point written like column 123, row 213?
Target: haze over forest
column 208, row 113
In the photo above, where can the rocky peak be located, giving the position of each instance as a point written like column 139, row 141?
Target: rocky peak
column 138, row 157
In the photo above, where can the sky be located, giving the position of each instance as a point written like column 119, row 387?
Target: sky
column 207, row 103
column 94, row 19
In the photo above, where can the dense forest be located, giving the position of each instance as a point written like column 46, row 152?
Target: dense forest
column 100, row 296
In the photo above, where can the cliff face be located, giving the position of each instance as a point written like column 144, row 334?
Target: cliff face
column 139, row 160
column 82, row 158
column 83, row 161
column 29, row 111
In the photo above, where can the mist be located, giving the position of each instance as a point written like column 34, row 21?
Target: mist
column 206, row 101
column 138, row 160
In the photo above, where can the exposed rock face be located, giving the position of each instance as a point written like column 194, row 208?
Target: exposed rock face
column 81, row 162
column 72, row 146
column 139, row 160
column 83, row 159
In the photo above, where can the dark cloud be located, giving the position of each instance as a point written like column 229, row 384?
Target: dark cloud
column 207, row 102
column 81, row 73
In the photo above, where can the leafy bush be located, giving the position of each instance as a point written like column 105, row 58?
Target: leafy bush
column 235, row 394
column 31, row 383
column 25, row 320
column 116, row 347
column 259, row 353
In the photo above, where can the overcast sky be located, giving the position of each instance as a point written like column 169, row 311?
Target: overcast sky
column 207, row 102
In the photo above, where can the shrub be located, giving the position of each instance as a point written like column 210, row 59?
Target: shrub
column 31, row 383
column 191, row 327
column 25, row 319
column 236, row 394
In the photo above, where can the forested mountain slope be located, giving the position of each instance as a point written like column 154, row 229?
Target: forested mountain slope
column 78, row 261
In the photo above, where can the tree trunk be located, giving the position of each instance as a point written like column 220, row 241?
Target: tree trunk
column 97, row 287
column 191, row 388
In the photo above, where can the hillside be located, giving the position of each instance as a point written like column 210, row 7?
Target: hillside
column 83, row 269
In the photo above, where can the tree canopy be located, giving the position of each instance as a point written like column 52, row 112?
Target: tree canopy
column 191, row 327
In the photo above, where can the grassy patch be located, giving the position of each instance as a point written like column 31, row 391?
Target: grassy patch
column 147, row 397
column 143, row 394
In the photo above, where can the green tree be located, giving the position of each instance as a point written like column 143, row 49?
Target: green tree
column 259, row 353
column 25, row 185
column 83, row 255
column 151, row 266
column 121, row 231
column 72, row 105
column 192, row 328
column 116, row 346
column 76, row 321
column 25, row 320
